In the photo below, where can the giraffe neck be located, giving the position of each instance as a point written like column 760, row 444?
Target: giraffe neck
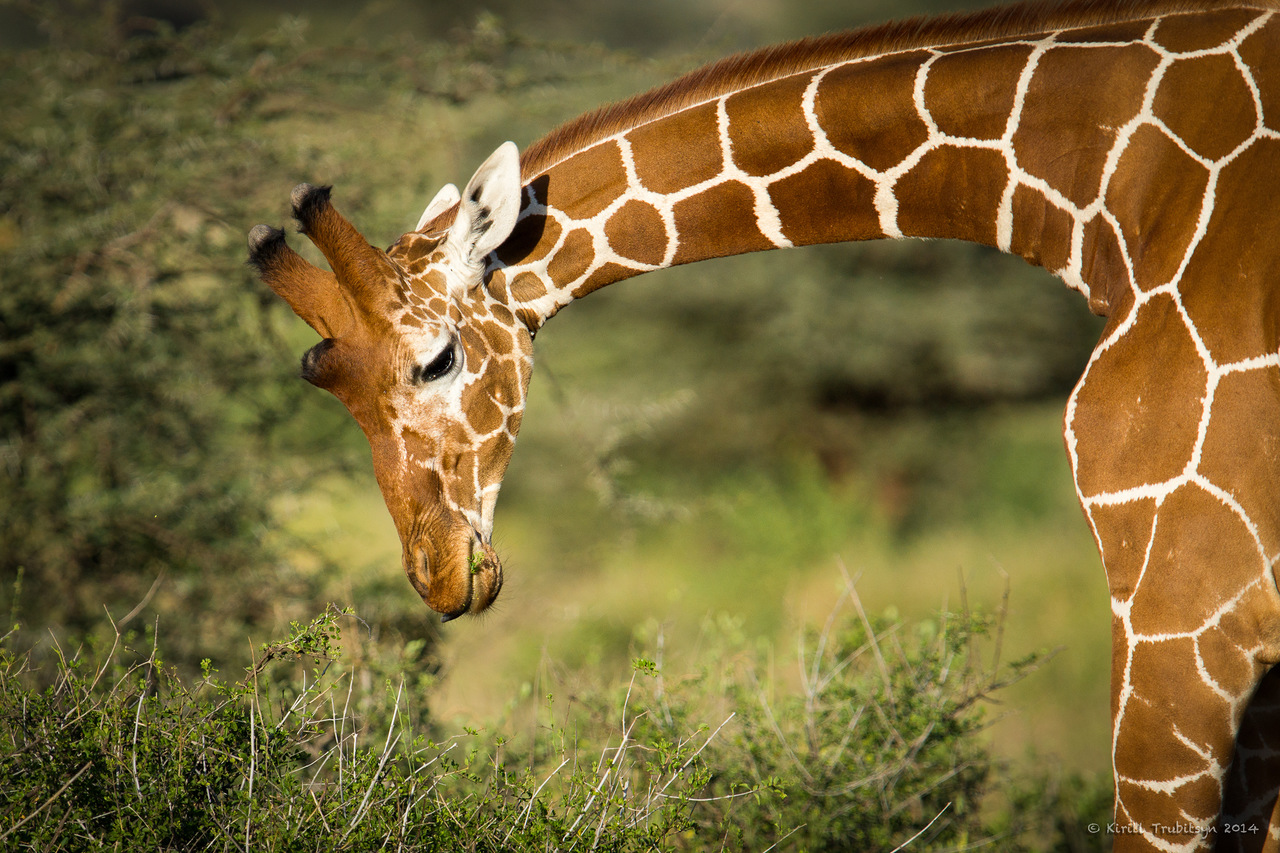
column 1021, row 142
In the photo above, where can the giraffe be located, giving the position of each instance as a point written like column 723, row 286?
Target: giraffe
column 1131, row 149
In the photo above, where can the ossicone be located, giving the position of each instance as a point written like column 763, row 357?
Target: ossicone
column 264, row 244
column 308, row 200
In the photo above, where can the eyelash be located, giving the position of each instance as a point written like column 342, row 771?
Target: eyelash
column 436, row 368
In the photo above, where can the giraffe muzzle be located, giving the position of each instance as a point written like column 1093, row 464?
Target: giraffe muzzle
column 459, row 575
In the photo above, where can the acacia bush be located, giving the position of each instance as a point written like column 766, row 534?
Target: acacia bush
column 878, row 747
column 140, row 399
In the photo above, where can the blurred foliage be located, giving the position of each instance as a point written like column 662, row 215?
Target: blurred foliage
column 825, row 350
column 659, row 26
column 149, row 408
column 935, row 325
column 151, row 419
column 895, row 374
column 139, row 395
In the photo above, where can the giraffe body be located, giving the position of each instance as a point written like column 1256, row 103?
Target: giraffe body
column 1134, row 152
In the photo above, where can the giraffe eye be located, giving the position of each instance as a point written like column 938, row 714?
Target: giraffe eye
column 436, row 368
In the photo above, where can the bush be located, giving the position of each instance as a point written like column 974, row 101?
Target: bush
column 128, row 754
column 879, row 747
column 874, row 742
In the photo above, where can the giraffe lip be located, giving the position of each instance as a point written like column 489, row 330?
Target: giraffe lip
column 483, row 579
column 485, row 574
column 444, row 585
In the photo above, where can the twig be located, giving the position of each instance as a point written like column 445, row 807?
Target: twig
column 875, row 646
column 146, row 599
column 253, row 748
column 137, row 717
column 320, row 811
column 386, row 753
column 524, row 818
column 903, row 845
column 604, row 771
column 777, row 730
column 784, row 838
column 47, row 802
column 696, row 753
column 107, row 658
column 830, row 624
column 1002, row 614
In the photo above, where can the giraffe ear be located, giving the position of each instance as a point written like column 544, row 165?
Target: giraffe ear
column 489, row 207
column 445, row 199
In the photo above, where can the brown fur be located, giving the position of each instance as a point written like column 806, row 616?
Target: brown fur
column 749, row 69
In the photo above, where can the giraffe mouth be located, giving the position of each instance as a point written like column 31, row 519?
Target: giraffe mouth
column 456, row 574
column 486, row 579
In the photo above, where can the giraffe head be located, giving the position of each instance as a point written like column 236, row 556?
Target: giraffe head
column 430, row 364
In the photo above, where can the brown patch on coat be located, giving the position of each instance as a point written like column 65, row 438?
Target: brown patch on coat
column 867, row 110
column 1207, row 104
column 1157, row 217
column 1041, row 231
column 1068, row 124
column 988, row 81
column 953, row 192
column 677, row 151
column 1236, row 318
column 718, row 222
column 1241, row 452
column 826, row 203
column 636, row 232
column 767, row 126
column 1132, row 403
column 588, row 183
column 1186, row 33
column 574, row 257
column 1258, row 52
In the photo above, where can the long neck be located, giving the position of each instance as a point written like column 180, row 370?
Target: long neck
column 1046, row 144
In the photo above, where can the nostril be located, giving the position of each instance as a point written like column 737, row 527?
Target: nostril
column 417, row 566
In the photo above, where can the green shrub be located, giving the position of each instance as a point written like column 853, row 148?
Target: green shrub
column 877, row 747
column 874, row 741
column 128, row 755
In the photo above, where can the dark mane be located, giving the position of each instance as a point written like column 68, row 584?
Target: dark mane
column 771, row 63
